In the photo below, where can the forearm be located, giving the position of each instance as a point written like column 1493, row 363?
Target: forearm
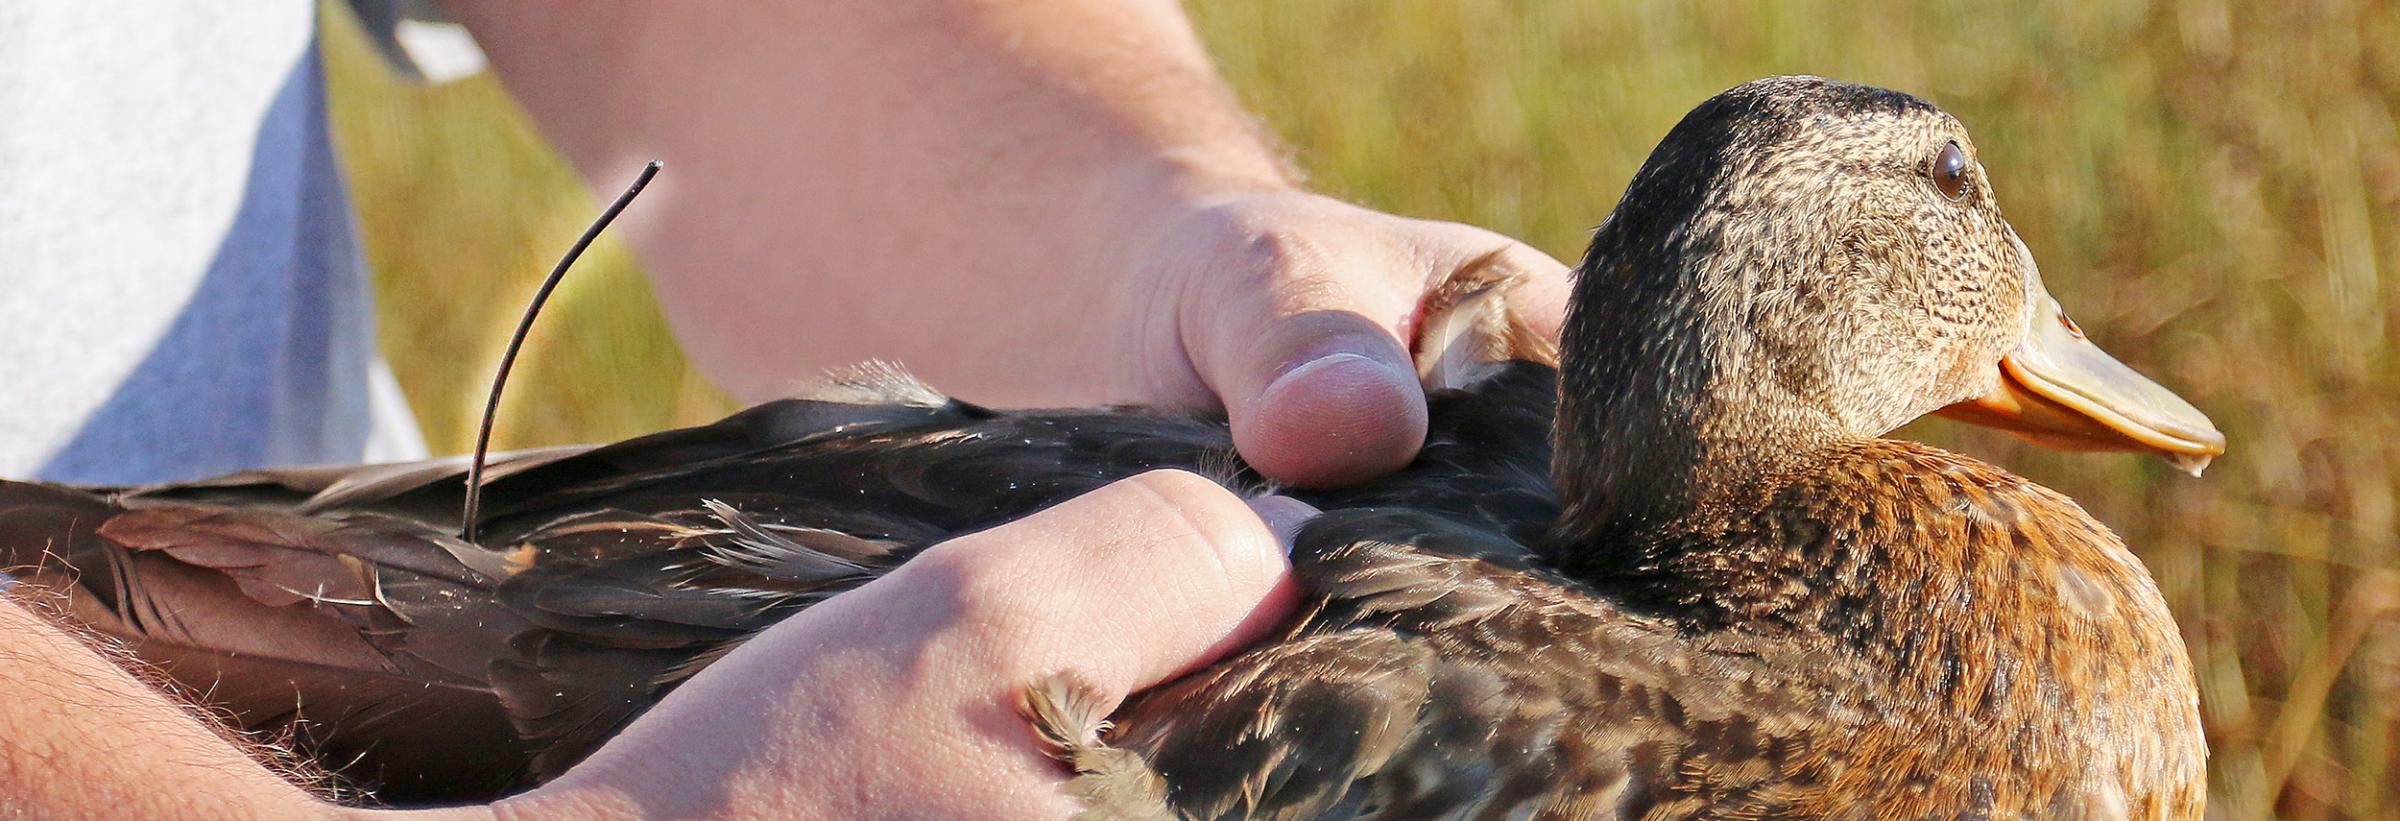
column 81, row 738
column 1026, row 142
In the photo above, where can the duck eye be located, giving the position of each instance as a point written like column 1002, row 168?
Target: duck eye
column 1950, row 171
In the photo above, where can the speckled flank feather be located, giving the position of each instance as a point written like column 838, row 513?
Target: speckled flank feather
column 1841, row 650
column 1112, row 784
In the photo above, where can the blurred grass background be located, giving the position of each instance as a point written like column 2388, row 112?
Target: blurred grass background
column 2211, row 186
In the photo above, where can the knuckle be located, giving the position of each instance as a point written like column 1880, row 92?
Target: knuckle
column 1282, row 238
column 1283, row 249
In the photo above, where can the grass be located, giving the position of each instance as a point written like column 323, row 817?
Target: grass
column 2212, row 188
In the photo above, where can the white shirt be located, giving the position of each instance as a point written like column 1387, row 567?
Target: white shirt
column 181, row 289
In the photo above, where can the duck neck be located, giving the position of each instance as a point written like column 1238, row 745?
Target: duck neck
column 1672, row 406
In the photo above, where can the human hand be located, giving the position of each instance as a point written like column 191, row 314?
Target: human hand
column 1298, row 314
column 899, row 696
column 1028, row 204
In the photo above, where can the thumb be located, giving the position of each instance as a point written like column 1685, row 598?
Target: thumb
column 1321, row 398
column 1304, row 328
column 1301, row 341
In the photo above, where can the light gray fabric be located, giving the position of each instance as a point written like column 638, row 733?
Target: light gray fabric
column 184, row 291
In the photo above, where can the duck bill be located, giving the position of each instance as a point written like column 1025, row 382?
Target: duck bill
column 2059, row 390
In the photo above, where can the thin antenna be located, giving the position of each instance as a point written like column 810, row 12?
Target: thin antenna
column 508, row 359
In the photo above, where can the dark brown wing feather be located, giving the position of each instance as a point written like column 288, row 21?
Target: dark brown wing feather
column 344, row 635
column 607, row 575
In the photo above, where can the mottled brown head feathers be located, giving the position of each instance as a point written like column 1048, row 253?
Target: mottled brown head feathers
column 1797, row 270
column 1782, row 275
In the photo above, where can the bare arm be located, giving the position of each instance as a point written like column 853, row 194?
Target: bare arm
column 81, row 738
column 893, row 698
column 1053, row 203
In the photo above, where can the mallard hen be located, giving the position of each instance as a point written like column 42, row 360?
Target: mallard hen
column 1678, row 576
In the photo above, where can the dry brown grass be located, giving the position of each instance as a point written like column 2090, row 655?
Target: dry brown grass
column 2212, row 188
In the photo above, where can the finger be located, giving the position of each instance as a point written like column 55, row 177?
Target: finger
column 1310, row 365
column 1119, row 590
column 1284, row 515
column 1539, row 284
column 1539, row 297
column 1127, row 586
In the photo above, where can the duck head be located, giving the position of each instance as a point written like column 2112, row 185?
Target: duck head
column 1803, row 263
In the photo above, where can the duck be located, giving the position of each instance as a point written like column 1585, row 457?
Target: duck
column 1671, row 569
